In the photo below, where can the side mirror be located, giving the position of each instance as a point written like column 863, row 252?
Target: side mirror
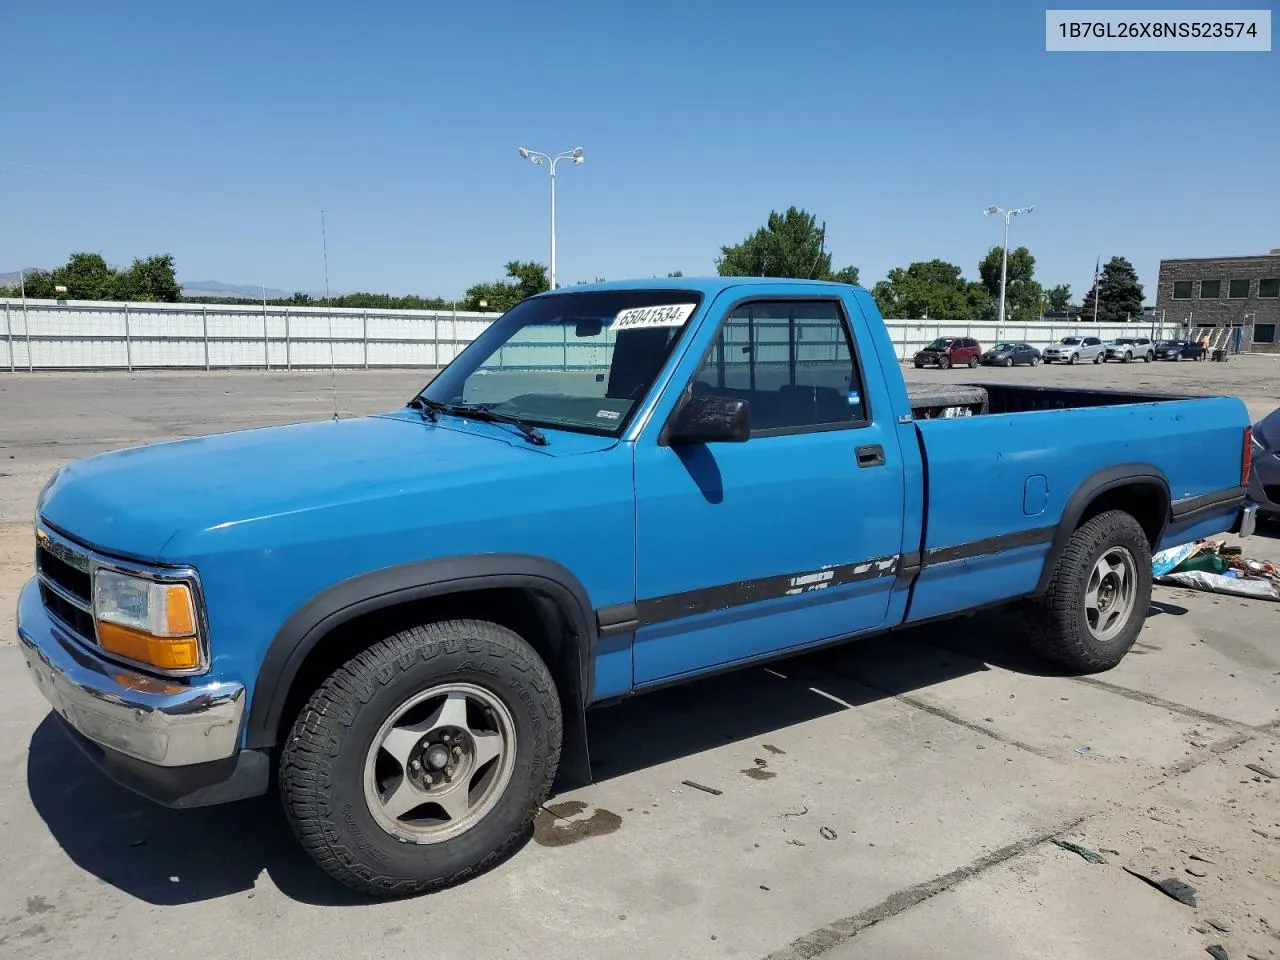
column 708, row 419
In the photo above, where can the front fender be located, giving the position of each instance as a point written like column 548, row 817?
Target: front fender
column 383, row 589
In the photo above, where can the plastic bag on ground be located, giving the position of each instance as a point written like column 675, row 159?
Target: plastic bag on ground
column 1167, row 560
column 1220, row 583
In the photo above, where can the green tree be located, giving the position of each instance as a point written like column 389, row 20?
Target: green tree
column 1119, row 293
column 36, row 284
column 790, row 244
column 934, row 289
column 501, row 295
column 152, row 279
column 1022, row 293
column 87, row 277
column 1058, row 297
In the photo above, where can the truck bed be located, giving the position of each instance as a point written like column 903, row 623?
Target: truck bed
column 1000, row 482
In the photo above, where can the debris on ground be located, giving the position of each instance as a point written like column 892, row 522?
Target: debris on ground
column 1091, row 855
column 1085, row 751
column 827, row 833
column 1214, row 566
column 1216, row 952
column 1262, row 770
column 1170, row 887
column 1199, row 874
column 796, row 843
column 1198, row 858
column 698, row 786
column 1219, row 926
column 796, row 813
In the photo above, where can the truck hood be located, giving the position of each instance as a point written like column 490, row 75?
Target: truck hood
column 133, row 502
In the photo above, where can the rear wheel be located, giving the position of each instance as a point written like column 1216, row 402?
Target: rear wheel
column 944, row 363
column 1035, row 361
column 422, row 760
column 1149, row 357
column 1098, row 598
column 1098, row 358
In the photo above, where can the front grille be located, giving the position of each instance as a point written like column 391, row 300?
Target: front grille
column 77, row 618
column 72, row 580
column 66, row 586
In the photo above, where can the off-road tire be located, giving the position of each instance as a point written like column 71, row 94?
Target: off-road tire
column 1057, row 627
column 322, row 764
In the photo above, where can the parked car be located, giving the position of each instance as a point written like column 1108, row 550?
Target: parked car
column 1076, row 350
column 1126, row 349
column 406, row 615
column 1264, row 475
column 949, row 352
column 1179, row 350
column 1007, row 354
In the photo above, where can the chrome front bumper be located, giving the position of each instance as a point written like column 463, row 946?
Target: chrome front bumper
column 159, row 722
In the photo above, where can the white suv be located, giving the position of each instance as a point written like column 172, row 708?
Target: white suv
column 1127, row 349
column 1075, row 349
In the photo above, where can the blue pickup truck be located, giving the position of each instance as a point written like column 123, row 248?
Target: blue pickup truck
column 401, row 620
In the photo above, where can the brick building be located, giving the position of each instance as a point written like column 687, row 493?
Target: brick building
column 1215, row 297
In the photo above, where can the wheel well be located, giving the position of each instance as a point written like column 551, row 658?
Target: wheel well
column 535, row 616
column 1145, row 501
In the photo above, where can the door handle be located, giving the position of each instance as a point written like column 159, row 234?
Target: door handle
column 871, row 456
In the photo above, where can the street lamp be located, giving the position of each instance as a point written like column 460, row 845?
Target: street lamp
column 539, row 158
column 1004, row 263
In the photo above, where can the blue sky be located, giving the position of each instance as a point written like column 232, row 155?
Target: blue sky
column 217, row 132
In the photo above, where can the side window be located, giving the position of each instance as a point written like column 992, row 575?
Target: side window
column 792, row 361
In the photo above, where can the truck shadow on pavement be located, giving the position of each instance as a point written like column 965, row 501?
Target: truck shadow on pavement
column 169, row 857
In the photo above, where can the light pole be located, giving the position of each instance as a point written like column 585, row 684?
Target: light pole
column 539, row 158
column 1004, row 262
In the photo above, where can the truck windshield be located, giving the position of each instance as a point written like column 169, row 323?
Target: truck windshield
column 573, row 361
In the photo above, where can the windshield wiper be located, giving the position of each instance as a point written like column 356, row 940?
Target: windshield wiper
column 431, row 409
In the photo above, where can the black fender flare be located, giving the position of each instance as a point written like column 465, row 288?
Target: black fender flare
column 391, row 586
column 1088, row 490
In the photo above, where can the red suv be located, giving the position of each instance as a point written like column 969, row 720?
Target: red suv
column 950, row 352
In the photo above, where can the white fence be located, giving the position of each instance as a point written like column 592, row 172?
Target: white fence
column 87, row 335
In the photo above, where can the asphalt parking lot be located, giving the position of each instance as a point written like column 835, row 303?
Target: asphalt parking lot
column 898, row 797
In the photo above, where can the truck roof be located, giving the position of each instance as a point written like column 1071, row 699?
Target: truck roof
column 708, row 286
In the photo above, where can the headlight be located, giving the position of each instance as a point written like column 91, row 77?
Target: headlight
column 147, row 621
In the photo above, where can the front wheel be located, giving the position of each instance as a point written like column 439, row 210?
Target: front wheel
column 1128, row 358
column 1098, row 598
column 421, row 761
column 1075, row 358
column 944, row 363
column 1009, row 362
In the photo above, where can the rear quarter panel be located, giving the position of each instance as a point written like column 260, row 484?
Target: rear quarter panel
column 997, row 486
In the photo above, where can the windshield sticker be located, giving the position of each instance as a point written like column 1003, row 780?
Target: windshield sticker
column 608, row 414
column 670, row 315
